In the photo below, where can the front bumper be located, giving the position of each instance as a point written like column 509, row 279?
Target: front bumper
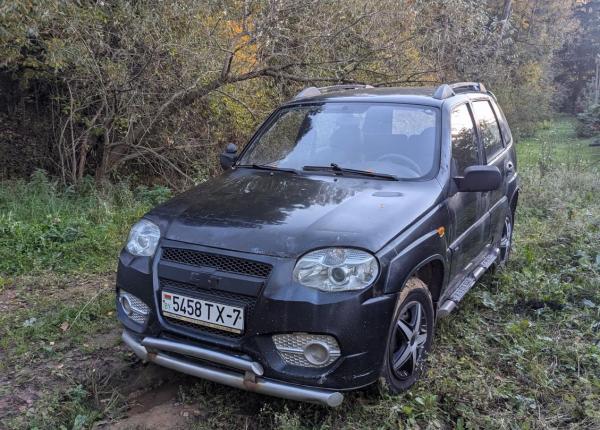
column 157, row 350
column 359, row 321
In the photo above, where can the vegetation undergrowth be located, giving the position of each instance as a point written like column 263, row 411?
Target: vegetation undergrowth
column 77, row 229
column 522, row 351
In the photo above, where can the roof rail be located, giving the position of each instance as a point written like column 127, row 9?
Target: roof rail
column 314, row 91
column 308, row 92
column 448, row 90
column 468, row 87
column 443, row 92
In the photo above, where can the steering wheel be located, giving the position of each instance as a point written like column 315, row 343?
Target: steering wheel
column 402, row 159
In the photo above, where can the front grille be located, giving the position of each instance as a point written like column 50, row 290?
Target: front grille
column 213, row 295
column 223, row 263
column 203, row 329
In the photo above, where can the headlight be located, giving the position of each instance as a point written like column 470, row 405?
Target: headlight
column 143, row 238
column 336, row 269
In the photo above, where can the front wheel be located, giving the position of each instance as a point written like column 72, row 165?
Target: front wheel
column 410, row 337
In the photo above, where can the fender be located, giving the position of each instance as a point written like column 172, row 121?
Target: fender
column 425, row 249
column 422, row 242
column 436, row 257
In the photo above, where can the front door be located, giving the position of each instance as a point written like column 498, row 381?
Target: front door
column 467, row 209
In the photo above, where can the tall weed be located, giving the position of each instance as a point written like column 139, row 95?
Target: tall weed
column 44, row 226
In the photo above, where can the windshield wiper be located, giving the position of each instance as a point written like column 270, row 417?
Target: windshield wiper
column 336, row 169
column 267, row 167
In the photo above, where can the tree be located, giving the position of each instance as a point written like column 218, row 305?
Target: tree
column 157, row 87
column 577, row 59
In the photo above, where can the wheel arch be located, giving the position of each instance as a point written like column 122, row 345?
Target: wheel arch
column 432, row 272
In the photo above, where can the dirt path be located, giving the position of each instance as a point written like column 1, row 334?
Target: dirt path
column 124, row 392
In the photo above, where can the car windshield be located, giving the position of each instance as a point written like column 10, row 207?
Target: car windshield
column 392, row 139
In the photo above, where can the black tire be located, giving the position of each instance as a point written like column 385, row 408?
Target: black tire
column 405, row 357
column 506, row 240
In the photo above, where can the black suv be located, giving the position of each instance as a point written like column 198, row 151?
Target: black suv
column 320, row 260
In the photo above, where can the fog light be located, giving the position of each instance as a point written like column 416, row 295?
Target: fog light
column 317, row 353
column 307, row 350
column 126, row 305
column 134, row 307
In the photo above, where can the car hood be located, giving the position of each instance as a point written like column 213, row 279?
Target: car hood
column 285, row 214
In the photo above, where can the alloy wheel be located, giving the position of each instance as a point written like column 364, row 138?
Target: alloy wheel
column 506, row 241
column 410, row 338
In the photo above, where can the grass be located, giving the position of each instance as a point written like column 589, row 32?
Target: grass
column 44, row 227
column 523, row 350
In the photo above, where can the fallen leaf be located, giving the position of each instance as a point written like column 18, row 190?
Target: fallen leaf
column 64, row 326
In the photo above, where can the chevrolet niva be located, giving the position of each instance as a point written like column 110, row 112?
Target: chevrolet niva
column 320, row 260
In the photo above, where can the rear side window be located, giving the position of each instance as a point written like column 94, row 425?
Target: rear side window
column 490, row 130
column 464, row 140
column 506, row 134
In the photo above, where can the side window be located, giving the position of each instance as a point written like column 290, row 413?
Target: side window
column 488, row 124
column 464, row 139
column 506, row 134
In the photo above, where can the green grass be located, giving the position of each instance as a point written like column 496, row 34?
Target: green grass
column 44, row 227
column 522, row 352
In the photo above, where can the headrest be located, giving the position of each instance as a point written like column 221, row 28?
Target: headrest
column 378, row 120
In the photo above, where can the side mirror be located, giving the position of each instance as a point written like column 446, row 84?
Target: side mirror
column 228, row 157
column 479, row 178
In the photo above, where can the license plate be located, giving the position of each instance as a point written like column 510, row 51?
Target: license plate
column 203, row 312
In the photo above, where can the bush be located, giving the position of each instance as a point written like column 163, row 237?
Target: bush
column 45, row 226
column 154, row 90
column 589, row 122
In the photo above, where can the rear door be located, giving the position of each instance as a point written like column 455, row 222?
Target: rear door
column 495, row 154
column 467, row 209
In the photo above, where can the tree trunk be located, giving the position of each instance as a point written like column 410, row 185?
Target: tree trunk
column 103, row 166
column 597, row 81
column 83, row 152
column 505, row 18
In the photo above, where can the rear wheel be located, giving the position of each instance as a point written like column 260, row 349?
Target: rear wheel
column 410, row 337
column 506, row 241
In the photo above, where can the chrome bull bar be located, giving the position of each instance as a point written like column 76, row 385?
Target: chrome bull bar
column 149, row 349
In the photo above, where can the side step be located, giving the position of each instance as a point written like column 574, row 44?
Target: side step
column 459, row 293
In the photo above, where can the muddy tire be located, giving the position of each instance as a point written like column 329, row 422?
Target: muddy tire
column 409, row 338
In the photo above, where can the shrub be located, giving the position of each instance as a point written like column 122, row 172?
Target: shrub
column 45, row 226
column 589, row 122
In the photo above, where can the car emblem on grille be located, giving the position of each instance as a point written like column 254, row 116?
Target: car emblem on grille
column 204, row 278
column 213, row 282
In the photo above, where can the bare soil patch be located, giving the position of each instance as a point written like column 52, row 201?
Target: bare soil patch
column 132, row 394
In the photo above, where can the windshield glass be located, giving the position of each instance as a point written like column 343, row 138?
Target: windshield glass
column 394, row 139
